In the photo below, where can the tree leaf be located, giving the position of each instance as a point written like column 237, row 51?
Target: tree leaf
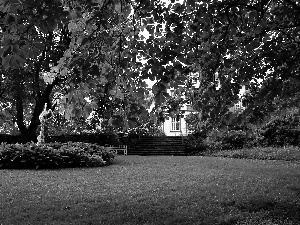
column 252, row 16
column 21, row 61
column 16, row 48
column 132, row 122
column 85, row 40
column 160, row 98
column 116, row 121
column 6, row 62
column 9, row 19
column 51, row 24
column 126, row 10
column 155, row 88
column 6, row 50
column 227, row 63
column 78, row 113
column 87, row 110
column 39, row 45
column 143, row 112
column 191, row 3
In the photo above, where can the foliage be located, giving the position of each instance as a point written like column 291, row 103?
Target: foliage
column 42, row 38
column 7, row 119
column 52, row 155
column 254, row 139
column 282, row 129
column 216, row 140
column 233, row 139
column 93, row 50
column 225, row 42
column 195, row 143
column 11, row 139
column 289, row 153
column 109, row 137
column 146, row 129
column 59, row 125
column 193, row 122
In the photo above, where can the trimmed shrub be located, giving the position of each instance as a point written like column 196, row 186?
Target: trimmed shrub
column 111, row 138
column 98, row 138
column 195, row 144
column 222, row 140
column 233, row 139
column 290, row 153
column 53, row 155
column 254, row 139
column 8, row 138
column 216, row 141
column 212, row 146
column 282, row 130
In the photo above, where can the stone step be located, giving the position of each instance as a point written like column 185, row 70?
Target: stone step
column 158, row 142
column 175, row 140
column 162, row 145
column 160, row 148
column 157, row 153
column 157, row 146
column 156, row 150
column 160, row 139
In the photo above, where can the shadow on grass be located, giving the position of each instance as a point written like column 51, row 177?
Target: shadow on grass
column 296, row 190
column 272, row 209
column 255, row 205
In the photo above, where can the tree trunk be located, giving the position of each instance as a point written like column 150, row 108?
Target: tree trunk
column 29, row 133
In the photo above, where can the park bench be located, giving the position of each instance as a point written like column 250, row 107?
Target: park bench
column 115, row 149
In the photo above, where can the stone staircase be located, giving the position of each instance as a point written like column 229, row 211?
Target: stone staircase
column 158, row 146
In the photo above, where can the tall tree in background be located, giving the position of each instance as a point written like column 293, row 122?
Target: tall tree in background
column 231, row 44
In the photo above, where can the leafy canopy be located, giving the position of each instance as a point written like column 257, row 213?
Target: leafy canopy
column 228, row 43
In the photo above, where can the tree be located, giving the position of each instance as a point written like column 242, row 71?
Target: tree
column 31, row 45
column 42, row 49
column 229, row 43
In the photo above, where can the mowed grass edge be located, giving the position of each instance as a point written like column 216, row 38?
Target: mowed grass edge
column 155, row 190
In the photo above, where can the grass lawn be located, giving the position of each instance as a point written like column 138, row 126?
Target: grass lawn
column 155, row 190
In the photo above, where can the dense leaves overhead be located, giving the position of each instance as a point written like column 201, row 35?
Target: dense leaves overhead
column 228, row 43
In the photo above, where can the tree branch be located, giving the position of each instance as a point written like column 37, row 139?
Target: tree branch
column 20, row 109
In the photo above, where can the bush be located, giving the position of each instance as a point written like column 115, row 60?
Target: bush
column 98, row 138
column 289, row 153
column 222, row 140
column 147, row 129
column 195, row 144
column 8, row 138
column 215, row 141
column 212, row 146
column 233, row 139
column 282, row 130
column 53, row 155
column 254, row 139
